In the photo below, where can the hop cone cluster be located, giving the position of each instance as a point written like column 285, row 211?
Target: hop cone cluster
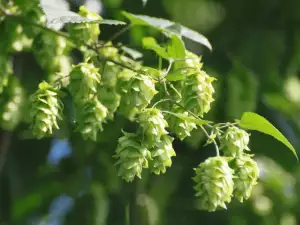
column 84, row 80
column 153, row 123
column 132, row 157
column 161, row 155
column 246, row 175
column 11, row 102
column 138, row 94
column 198, row 93
column 181, row 127
column 92, row 116
column 85, row 32
column 214, row 183
column 46, row 110
column 234, row 141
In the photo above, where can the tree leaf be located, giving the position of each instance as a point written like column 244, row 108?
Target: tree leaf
column 132, row 52
column 253, row 121
column 167, row 26
column 57, row 17
column 150, row 43
column 176, row 50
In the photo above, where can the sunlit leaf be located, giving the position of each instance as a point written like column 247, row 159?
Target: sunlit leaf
column 150, row 43
column 253, row 121
column 168, row 26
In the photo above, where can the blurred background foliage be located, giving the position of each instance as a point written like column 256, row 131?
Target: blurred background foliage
column 256, row 59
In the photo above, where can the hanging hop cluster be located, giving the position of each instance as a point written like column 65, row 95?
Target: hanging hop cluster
column 214, row 186
column 138, row 93
column 12, row 102
column 179, row 125
column 46, row 110
column 153, row 124
column 132, row 157
column 246, row 175
column 91, row 113
column 198, row 92
column 161, row 155
column 235, row 141
column 85, row 32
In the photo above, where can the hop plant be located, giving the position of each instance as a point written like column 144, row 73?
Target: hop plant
column 85, row 32
column 234, row 141
column 198, row 93
column 246, row 175
column 11, row 104
column 46, row 110
column 84, row 80
column 5, row 71
column 138, row 94
column 161, row 154
column 193, row 61
column 110, row 99
column 132, row 157
column 91, row 116
column 180, row 126
column 153, row 123
column 214, row 183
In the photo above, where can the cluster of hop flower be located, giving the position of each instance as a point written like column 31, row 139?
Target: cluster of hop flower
column 132, row 92
column 221, row 177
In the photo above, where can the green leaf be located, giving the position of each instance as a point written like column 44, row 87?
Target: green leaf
column 167, row 26
column 191, row 119
column 150, row 43
column 176, row 50
column 253, row 121
column 132, row 52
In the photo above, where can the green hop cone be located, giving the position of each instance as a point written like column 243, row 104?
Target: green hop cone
column 161, row 155
column 214, row 183
column 11, row 103
column 198, row 93
column 132, row 157
column 91, row 116
column 234, row 141
column 179, row 126
column 193, row 61
column 153, row 123
column 84, row 80
column 46, row 110
column 110, row 99
column 246, row 175
column 85, row 32
column 138, row 93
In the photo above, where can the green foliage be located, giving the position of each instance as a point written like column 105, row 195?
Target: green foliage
column 253, row 121
column 109, row 90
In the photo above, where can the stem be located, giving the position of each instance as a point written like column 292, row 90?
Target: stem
column 214, row 141
column 120, row 32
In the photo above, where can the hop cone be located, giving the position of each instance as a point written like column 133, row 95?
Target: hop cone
column 132, row 157
column 161, row 154
column 11, row 104
column 198, row 93
column 179, row 126
column 192, row 60
column 91, row 116
column 84, row 80
column 214, row 184
column 85, row 32
column 153, row 124
column 46, row 109
column 138, row 94
column 110, row 99
column 246, row 174
column 234, row 141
